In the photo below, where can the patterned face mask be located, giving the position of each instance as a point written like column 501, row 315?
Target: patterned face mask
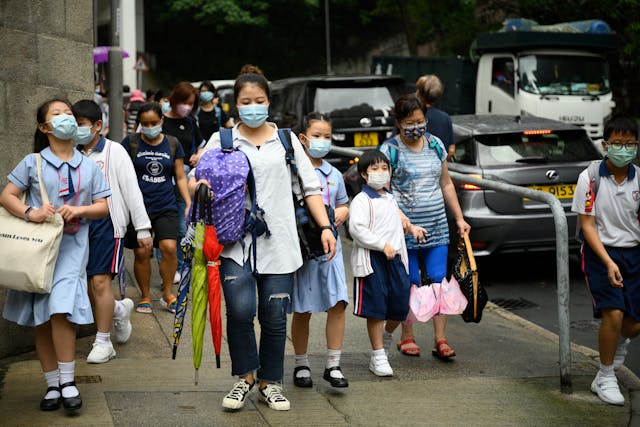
column 414, row 131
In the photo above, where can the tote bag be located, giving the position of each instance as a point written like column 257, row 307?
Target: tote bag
column 29, row 250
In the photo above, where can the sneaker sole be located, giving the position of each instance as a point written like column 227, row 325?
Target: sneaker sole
column 232, row 404
column 96, row 362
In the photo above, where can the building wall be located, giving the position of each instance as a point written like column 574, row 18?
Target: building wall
column 46, row 51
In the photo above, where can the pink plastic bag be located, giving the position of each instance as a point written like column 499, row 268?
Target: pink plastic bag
column 451, row 299
column 423, row 303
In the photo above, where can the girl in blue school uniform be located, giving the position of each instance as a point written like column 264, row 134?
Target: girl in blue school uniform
column 320, row 284
column 77, row 191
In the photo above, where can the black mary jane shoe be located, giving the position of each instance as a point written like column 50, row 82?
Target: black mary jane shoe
column 335, row 382
column 71, row 403
column 50, row 404
column 304, row 382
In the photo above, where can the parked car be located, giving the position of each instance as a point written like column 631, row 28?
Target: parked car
column 359, row 107
column 541, row 154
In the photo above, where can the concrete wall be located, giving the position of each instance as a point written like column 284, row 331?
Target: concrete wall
column 45, row 52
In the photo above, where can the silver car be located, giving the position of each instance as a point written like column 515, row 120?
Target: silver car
column 537, row 153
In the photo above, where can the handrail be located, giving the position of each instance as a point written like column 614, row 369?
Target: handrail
column 562, row 262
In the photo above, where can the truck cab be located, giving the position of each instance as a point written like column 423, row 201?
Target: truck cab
column 559, row 76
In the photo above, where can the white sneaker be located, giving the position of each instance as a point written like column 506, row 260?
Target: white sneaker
column 101, row 353
column 379, row 365
column 122, row 324
column 606, row 387
column 272, row 396
column 176, row 278
column 621, row 353
column 235, row 398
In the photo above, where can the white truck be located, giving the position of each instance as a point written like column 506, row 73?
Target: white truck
column 556, row 75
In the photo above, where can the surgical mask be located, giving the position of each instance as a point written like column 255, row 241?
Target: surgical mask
column 166, row 107
column 621, row 157
column 83, row 135
column 378, row 180
column 64, row 126
column 414, row 131
column 318, row 148
column 183, row 110
column 152, row 132
column 253, row 115
column 206, row 96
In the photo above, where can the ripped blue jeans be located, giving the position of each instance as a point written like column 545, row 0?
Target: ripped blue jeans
column 274, row 298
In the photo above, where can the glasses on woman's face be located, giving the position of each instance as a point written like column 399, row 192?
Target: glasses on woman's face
column 618, row 145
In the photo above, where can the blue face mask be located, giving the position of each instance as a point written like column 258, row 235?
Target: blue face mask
column 414, row 131
column 166, row 107
column 206, row 96
column 253, row 115
column 318, row 148
column 64, row 126
column 83, row 135
column 152, row 132
column 621, row 157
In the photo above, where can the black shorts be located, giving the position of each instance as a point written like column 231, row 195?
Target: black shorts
column 164, row 226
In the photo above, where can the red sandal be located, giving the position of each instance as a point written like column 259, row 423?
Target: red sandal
column 409, row 347
column 443, row 350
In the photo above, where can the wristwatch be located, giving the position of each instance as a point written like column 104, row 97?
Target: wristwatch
column 326, row 227
column 26, row 213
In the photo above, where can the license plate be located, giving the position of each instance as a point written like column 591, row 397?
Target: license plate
column 365, row 139
column 561, row 191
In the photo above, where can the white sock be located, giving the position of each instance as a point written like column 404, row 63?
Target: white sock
column 607, row 370
column 118, row 309
column 378, row 353
column 333, row 358
column 302, row 360
column 67, row 370
column 53, row 380
column 387, row 337
column 103, row 338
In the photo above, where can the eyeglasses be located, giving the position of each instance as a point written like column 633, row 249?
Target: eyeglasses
column 632, row 145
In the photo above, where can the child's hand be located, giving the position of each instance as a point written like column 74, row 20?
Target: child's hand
column 42, row 213
column 419, row 233
column 341, row 213
column 69, row 212
column 613, row 272
column 146, row 243
column 389, row 251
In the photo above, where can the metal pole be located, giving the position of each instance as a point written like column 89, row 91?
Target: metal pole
column 116, row 114
column 327, row 36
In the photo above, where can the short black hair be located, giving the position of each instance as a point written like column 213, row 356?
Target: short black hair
column 621, row 123
column 312, row 117
column 371, row 157
column 87, row 109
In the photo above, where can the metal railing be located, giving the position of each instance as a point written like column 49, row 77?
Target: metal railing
column 562, row 255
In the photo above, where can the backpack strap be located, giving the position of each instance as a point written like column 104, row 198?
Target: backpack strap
column 218, row 111
column 226, row 139
column 134, row 143
column 392, row 144
column 593, row 172
column 433, row 144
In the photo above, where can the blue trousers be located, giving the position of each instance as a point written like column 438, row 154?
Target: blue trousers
column 435, row 261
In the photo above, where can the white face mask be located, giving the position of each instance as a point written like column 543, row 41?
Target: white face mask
column 378, row 180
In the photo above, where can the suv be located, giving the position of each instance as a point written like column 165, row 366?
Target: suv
column 359, row 107
column 537, row 153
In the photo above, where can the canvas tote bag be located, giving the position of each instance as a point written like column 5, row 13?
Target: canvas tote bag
column 29, row 250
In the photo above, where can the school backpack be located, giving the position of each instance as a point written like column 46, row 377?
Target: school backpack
column 134, row 143
column 228, row 172
column 593, row 172
column 392, row 143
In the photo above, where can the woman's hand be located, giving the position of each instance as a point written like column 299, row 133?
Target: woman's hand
column 419, row 233
column 328, row 243
column 463, row 227
column 42, row 213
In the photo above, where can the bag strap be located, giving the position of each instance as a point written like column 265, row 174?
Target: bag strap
column 134, row 142
column 226, row 139
column 296, row 185
column 392, row 144
column 43, row 191
column 469, row 250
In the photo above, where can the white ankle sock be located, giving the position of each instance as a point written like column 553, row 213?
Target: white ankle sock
column 379, row 352
column 302, row 360
column 607, row 370
column 67, row 370
column 118, row 309
column 103, row 337
column 333, row 358
column 53, row 380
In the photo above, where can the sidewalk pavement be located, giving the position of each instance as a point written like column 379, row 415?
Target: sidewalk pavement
column 506, row 374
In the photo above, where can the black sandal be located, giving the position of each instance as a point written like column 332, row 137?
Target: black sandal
column 335, row 382
column 51, row 404
column 71, row 403
column 304, row 382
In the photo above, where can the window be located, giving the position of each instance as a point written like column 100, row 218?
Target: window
column 564, row 75
column 502, row 74
column 464, row 152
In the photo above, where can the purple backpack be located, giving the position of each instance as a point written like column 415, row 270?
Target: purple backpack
column 229, row 175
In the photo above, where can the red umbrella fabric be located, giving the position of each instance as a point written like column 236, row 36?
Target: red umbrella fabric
column 101, row 54
column 212, row 250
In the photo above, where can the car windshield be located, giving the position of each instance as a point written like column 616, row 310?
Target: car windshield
column 535, row 147
column 563, row 75
column 353, row 101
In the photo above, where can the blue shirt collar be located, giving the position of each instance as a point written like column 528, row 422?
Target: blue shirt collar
column 52, row 159
column 325, row 168
column 604, row 171
column 373, row 194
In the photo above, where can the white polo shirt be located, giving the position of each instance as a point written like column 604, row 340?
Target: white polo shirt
column 615, row 207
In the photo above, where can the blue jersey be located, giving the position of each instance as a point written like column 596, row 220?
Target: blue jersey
column 155, row 172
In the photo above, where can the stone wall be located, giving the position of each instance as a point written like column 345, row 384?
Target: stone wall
column 45, row 52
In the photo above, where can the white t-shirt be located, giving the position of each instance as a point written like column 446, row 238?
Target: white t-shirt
column 615, row 207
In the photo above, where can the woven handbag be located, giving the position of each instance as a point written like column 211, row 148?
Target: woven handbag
column 466, row 273
column 29, row 250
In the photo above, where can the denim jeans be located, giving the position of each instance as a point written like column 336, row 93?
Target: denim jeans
column 274, row 299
